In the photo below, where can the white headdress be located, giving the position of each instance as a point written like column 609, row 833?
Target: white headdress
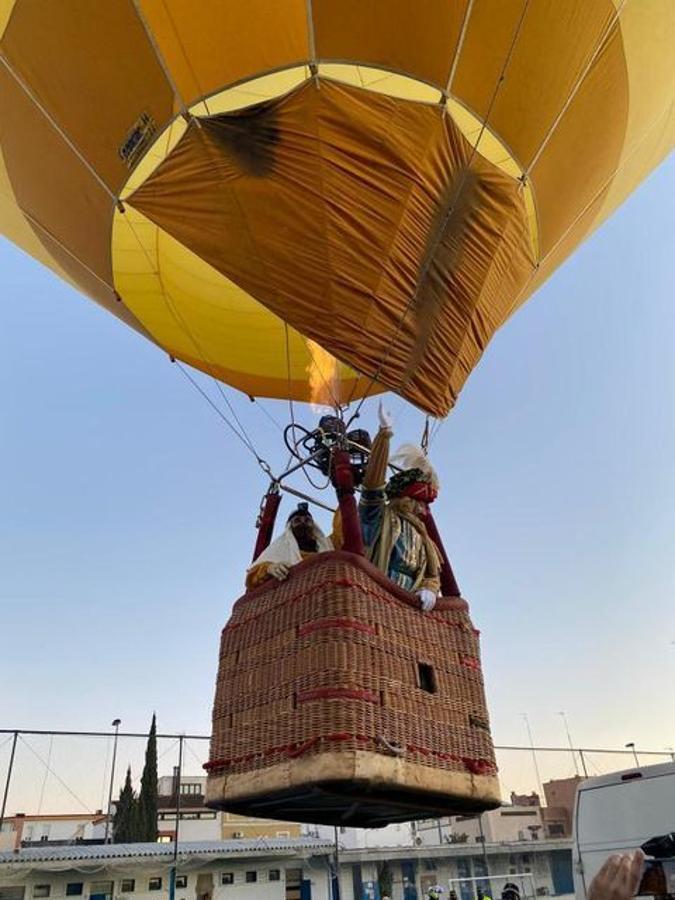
column 285, row 548
column 408, row 456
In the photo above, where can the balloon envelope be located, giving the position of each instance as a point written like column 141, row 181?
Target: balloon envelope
column 318, row 199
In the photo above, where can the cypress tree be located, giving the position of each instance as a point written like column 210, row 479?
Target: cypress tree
column 147, row 799
column 125, row 819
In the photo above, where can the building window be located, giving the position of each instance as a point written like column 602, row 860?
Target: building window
column 155, row 884
column 165, row 839
column 227, row 878
column 181, row 881
column 41, row 890
column 74, row 889
column 274, row 875
column 128, row 885
column 283, row 834
column 190, row 789
column 251, row 877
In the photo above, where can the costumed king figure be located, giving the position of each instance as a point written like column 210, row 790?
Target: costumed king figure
column 301, row 538
column 391, row 514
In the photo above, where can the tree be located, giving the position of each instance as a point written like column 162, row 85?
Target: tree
column 385, row 879
column 125, row 820
column 147, row 799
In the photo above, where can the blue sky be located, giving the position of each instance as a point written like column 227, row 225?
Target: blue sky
column 128, row 509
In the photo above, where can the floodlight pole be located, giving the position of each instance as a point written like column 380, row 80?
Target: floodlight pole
column 116, row 723
column 172, row 871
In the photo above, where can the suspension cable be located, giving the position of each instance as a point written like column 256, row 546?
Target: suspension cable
column 264, row 465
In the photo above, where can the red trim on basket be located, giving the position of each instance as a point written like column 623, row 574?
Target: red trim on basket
column 471, row 662
column 324, row 624
column 478, row 766
column 343, row 582
column 338, row 694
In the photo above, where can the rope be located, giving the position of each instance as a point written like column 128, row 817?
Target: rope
column 263, row 409
column 264, row 465
column 186, row 56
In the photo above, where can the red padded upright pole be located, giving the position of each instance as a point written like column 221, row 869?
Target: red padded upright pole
column 343, row 481
column 449, row 586
column 266, row 520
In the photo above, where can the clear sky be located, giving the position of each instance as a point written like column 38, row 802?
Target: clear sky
column 128, row 509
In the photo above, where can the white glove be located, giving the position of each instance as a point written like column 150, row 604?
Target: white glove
column 427, row 599
column 384, row 416
column 278, row 571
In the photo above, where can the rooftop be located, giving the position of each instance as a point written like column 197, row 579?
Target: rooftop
column 79, row 853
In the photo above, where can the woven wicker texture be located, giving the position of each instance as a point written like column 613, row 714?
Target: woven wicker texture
column 338, row 658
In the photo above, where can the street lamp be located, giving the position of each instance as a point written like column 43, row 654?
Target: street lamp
column 631, row 746
column 116, row 724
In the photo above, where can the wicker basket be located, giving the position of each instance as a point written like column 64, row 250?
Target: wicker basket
column 339, row 702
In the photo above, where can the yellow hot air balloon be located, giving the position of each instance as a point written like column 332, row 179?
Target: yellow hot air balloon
column 388, row 179
column 321, row 199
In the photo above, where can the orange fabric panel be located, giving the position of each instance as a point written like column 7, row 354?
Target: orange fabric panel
column 93, row 69
column 328, row 206
column 211, row 44
column 585, row 148
column 378, row 33
column 553, row 47
column 489, row 33
column 89, row 284
column 51, row 184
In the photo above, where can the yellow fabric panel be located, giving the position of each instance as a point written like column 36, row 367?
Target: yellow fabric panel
column 378, row 33
column 6, row 7
column 16, row 228
column 581, row 156
column 381, row 81
column 648, row 30
column 37, row 243
column 159, row 150
column 66, row 215
column 645, row 154
column 107, row 73
column 554, row 46
column 199, row 316
column 401, row 197
column 267, row 87
column 50, row 183
column 211, row 44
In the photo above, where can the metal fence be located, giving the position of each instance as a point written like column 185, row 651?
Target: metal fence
column 56, row 772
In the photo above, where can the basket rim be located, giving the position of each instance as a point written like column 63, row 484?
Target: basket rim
column 443, row 604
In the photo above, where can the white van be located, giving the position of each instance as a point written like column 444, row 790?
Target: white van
column 619, row 812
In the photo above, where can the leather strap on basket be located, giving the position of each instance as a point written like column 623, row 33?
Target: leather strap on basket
column 266, row 520
column 449, row 586
column 343, row 480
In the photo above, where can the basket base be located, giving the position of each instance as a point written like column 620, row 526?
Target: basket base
column 360, row 789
